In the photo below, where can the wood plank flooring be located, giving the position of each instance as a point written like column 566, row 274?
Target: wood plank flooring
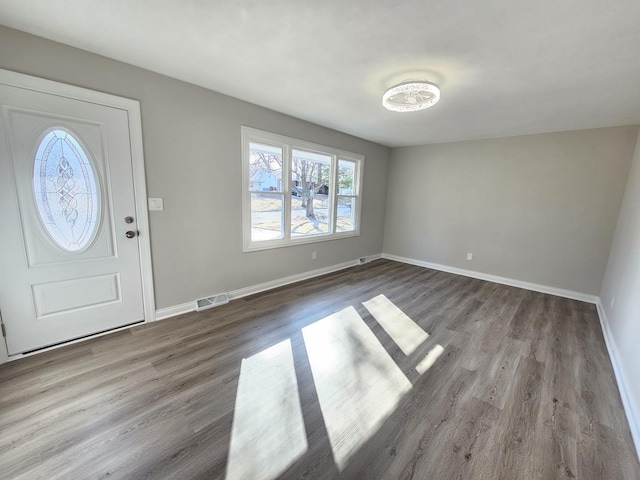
column 520, row 388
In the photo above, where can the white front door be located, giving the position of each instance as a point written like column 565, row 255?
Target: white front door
column 69, row 249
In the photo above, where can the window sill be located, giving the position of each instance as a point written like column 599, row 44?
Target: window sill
column 271, row 244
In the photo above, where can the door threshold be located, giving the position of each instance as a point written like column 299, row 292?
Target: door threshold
column 26, row 353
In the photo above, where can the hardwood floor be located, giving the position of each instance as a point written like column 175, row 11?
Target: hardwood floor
column 510, row 384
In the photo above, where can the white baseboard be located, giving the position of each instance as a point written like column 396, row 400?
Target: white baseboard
column 169, row 312
column 176, row 310
column 623, row 386
column 280, row 282
column 560, row 292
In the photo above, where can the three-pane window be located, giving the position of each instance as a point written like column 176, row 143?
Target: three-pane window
column 297, row 192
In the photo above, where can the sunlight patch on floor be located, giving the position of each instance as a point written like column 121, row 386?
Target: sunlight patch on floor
column 358, row 383
column 268, row 433
column 406, row 333
column 430, row 358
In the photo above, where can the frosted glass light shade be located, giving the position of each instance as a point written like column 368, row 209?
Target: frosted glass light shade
column 411, row 96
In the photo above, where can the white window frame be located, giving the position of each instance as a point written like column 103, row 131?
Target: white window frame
column 288, row 144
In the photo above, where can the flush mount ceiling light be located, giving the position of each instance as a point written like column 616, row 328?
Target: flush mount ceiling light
column 411, row 96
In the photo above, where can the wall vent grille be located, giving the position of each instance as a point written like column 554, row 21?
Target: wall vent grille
column 210, row 302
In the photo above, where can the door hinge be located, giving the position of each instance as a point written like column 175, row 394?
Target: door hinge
column 4, row 332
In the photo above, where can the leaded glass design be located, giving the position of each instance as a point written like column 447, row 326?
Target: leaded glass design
column 66, row 191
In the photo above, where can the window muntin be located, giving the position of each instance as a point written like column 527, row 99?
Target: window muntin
column 320, row 201
column 65, row 188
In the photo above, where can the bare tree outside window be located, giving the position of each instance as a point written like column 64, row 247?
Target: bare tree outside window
column 297, row 191
column 311, row 175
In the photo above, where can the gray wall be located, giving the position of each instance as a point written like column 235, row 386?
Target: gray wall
column 622, row 282
column 192, row 156
column 536, row 208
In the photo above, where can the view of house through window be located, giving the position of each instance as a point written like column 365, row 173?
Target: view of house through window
column 267, row 204
column 319, row 202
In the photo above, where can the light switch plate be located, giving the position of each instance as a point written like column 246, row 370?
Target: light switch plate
column 156, row 204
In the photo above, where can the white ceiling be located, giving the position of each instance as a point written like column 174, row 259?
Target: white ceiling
column 505, row 67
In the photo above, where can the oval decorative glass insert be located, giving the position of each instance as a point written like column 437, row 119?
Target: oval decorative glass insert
column 66, row 191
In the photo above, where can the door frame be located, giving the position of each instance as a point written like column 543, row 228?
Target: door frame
column 132, row 107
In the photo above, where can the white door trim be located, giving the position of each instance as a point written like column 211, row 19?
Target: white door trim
column 132, row 107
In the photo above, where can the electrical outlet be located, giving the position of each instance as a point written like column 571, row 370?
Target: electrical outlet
column 469, row 256
column 313, row 255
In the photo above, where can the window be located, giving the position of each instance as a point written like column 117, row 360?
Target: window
column 66, row 191
column 297, row 192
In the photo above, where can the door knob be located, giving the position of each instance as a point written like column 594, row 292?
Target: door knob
column 130, row 234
